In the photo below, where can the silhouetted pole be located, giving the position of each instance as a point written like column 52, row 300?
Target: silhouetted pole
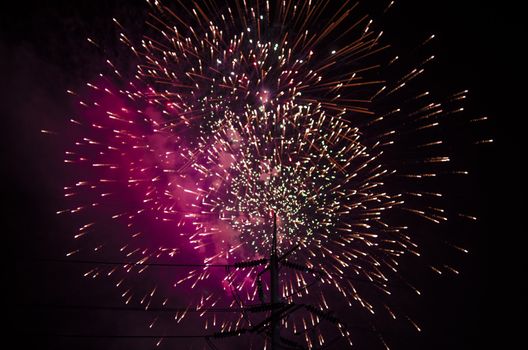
column 274, row 283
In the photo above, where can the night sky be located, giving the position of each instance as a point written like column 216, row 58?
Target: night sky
column 43, row 52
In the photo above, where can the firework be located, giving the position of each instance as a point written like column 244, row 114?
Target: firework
column 234, row 113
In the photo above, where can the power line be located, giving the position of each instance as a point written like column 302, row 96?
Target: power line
column 106, row 336
column 136, row 263
column 127, row 308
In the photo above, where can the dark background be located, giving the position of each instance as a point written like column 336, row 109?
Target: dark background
column 43, row 52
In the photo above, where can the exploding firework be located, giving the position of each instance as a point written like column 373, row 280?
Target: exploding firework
column 237, row 112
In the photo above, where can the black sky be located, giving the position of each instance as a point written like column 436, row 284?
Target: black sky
column 43, row 52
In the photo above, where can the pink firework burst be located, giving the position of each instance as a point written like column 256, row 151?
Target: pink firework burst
column 238, row 111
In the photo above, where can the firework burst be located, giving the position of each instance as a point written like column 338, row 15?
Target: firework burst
column 236, row 112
